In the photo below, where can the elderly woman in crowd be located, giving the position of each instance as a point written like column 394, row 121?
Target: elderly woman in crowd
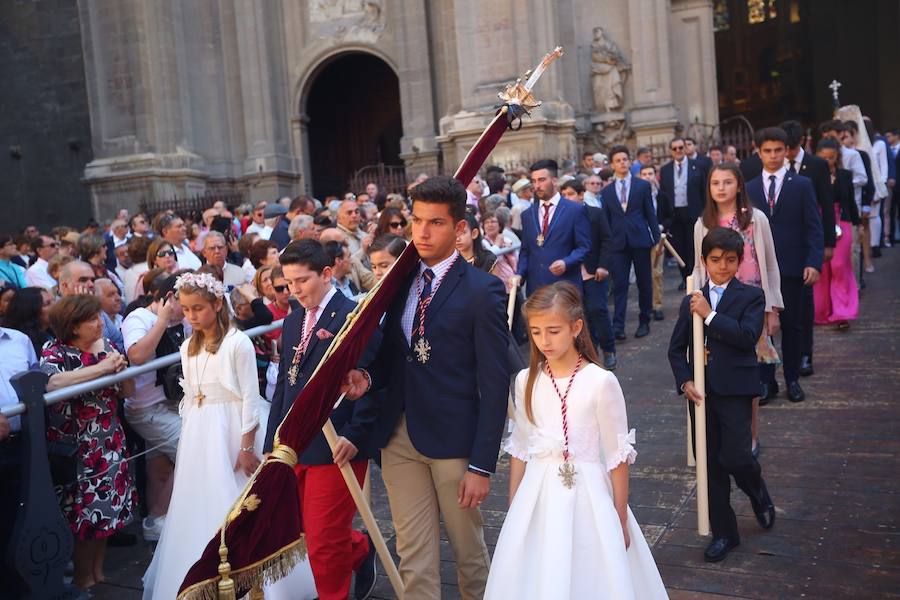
column 100, row 498
column 264, row 253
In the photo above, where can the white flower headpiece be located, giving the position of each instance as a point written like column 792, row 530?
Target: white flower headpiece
column 201, row 280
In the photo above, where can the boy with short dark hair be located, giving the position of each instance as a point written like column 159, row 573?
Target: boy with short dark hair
column 733, row 314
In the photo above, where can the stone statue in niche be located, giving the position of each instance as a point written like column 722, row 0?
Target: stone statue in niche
column 608, row 72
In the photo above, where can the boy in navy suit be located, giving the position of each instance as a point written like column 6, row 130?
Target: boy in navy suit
column 628, row 203
column 733, row 314
column 556, row 233
column 789, row 202
column 336, row 550
column 444, row 366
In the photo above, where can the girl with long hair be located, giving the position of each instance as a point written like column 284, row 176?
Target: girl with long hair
column 569, row 532
column 836, row 293
column 217, row 451
column 728, row 205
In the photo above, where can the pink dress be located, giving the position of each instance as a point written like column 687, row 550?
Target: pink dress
column 835, row 293
column 748, row 273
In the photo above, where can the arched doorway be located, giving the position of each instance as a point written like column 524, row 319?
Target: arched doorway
column 353, row 106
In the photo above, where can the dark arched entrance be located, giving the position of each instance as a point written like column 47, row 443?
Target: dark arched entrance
column 353, row 107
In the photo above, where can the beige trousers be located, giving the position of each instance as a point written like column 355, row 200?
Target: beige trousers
column 421, row 490
column 657, row 260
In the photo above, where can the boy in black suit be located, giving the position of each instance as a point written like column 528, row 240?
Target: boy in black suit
column 733, row 314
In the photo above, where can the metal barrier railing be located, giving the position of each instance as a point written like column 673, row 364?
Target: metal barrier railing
column 42, row 542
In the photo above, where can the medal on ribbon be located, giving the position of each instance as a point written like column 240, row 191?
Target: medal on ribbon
column 422, row 348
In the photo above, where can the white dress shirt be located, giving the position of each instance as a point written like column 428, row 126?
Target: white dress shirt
column 554, row 202
column 37, row 276
column 714, row 298
column 320, row 307
column 18, row 356
column 264, row 231
column 779, row 181
column 412, row 301
column 618, row 183
column 186, row 257
column 798, row 160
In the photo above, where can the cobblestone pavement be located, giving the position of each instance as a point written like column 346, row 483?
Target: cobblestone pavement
column 831, row 464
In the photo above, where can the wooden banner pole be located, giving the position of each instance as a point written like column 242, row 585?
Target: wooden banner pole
column 699, row 360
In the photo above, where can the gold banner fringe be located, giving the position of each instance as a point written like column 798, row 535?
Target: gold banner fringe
column 268, row 570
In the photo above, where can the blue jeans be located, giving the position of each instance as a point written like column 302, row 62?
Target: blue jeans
column 596, row 307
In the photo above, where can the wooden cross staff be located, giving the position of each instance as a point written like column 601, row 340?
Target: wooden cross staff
column 699, row 361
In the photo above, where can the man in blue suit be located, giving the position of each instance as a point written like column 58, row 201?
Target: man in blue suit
column 443, row 363
column 335, row 549
column 789, row 201
column 683, row 181
column 556, row 233
column 628, row 202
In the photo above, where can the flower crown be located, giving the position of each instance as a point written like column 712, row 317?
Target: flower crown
column 201, row 280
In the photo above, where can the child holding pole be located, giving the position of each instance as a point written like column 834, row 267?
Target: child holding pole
column 733, row 315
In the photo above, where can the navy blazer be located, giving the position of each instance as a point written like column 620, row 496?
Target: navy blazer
column 568, row 239
column 696, row 186
column 730, row 340
column 637, row 227
column 598, row 255
column 455, row 403
column 796, row 223
column 352, row 420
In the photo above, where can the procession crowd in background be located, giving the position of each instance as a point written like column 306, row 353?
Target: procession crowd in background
column 813, row 213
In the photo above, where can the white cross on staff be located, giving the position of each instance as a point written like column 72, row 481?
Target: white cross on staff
column 834, row 86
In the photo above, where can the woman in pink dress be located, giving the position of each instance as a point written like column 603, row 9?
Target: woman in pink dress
column 728, row 205
column 836, row 295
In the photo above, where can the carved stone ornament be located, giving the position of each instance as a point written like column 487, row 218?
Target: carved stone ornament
column 359, row 20
column 608, row 72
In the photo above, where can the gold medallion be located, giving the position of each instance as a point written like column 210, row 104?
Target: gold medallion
column 567, row 474
column 540, row 239
column 292, row 374
column 422, row 350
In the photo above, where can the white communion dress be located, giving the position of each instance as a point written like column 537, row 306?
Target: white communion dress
column 206, row 484
column 562, row 543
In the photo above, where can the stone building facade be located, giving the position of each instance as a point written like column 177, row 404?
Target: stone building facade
column 187, row 97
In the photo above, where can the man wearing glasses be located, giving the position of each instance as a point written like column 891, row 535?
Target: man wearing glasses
column 683, row 181
column 215, row 250
column 45, row 247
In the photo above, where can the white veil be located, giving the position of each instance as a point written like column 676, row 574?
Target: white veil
column 851, row 112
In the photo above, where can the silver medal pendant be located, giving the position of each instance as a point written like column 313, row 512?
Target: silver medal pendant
column 422, row 350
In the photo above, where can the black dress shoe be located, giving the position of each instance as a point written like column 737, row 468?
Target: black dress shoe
column 642, row 330
column 764, row 396
column 806, row 367
column 795, row 392
column 658, row 315
column 366, row 574
column 609, row 361
column 763, row 508
column 620, row 335
column 719, row 548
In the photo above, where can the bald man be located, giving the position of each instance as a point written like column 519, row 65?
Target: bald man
column 76, row 277
column 348, row 218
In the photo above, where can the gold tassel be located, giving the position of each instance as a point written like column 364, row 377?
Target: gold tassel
column 226, row 585
column 256, row 593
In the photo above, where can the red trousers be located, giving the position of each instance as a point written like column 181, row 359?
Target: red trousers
column 335, row 549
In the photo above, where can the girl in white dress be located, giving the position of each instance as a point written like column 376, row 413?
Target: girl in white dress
column 569, row 532
column 218, row 448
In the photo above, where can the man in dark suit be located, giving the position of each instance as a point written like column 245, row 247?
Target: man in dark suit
column 628, row 204
column 733, row 315
column 556, row 233
column 816, row 169
column 683, row 181
column 664, row 214
column 336, row 550
column 751, row 166
column 692, row 151
column 595, row 275
column 444, row 365
column 789, row 201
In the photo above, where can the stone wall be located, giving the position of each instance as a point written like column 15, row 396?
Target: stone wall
column 45, row 135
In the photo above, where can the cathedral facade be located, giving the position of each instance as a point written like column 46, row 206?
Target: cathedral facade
column 278, row 97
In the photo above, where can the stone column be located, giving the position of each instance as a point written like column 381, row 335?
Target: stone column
column 653, row 112
column 694, row 73
column 418, row 147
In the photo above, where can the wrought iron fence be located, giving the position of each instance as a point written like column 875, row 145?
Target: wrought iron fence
column 391, row 179
column 190, row 206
